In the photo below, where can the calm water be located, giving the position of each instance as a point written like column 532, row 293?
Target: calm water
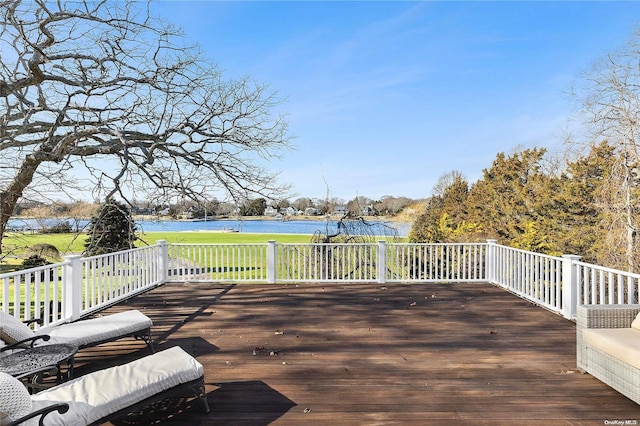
column 253, row 226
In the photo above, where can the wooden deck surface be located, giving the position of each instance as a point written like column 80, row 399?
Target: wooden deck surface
column 420, row 354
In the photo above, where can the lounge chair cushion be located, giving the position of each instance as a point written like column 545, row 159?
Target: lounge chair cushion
column 620, row 343
column 101, row 393
column 15, row 401
column 12, row 330
column 87, row 332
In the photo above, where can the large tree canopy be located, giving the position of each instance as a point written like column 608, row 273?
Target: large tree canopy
column 103, row 87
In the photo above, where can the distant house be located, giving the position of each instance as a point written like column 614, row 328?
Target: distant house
column 368, row 211
column 311, row 211
column 289, row 211
column 270, row 211
column 339, row 210
column 135, row 210
column 188, row 214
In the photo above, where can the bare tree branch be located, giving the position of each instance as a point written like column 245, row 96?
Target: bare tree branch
column 103, row 87
column 610, row 99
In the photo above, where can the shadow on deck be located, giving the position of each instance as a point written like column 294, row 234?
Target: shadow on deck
column 364, row 354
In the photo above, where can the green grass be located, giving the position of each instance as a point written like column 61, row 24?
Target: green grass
column 222, row 237
column 18, row 244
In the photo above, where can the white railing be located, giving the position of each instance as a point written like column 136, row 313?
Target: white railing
column 605, row 286
column 533, row 276
column 34, row 293
column 324, row 262
column 436, row 262
column 80, row 286
column 110, row 278
column 216, row 262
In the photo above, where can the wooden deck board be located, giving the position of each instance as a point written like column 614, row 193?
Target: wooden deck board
column 370, row 354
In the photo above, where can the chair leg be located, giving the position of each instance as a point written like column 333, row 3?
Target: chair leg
column 201, row 393
column 145, row 336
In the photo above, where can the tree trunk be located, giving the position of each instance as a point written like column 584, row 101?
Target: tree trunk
column 630, row 228
column 10, row 196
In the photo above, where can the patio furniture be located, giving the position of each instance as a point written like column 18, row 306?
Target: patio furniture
column 33, row 362
column 108, row 394
column 608, row 346
column 84, row 333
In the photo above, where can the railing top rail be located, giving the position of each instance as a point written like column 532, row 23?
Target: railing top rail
column 336, row 244
column 547, row 256
column 219, row 244
column 438, row 244
column 607, row 269
column 34, row 269
column 102, row 256
column 328, row 244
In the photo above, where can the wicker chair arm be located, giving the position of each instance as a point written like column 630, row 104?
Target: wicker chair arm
column 21, row 343
column 59, row 407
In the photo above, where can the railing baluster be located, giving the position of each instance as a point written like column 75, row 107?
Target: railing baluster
column 109, row 278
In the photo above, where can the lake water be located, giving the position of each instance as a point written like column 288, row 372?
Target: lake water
column 252, row 226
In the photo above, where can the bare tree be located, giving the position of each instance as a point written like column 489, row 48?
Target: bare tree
column 610, row 101
column 389, row 205
column 445, row 181
column 105, row 88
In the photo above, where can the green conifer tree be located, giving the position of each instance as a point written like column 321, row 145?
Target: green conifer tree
column 111, row 229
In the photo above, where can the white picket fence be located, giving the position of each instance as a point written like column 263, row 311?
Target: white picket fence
column 80, row 286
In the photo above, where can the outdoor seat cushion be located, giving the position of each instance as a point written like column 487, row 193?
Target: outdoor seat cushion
column 15, row 400
column 13, row 330
column 91, row 331
column 102, row 393
column 620, row 343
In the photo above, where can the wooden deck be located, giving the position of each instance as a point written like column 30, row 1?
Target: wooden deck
column 311, row 354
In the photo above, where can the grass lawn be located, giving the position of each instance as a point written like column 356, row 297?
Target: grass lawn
column 19, row 243
column 16, row 245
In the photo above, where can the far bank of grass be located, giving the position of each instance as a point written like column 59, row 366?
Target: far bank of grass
column 18, row 244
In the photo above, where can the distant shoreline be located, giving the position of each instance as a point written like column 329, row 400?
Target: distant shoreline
column 155, row 218
column 247, row 218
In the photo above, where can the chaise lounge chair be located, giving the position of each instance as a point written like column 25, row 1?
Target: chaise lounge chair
column 82, row 333
column 105, row 395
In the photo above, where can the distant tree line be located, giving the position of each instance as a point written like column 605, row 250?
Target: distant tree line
column 387, row 205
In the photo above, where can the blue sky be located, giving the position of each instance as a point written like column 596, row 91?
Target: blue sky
column 385, row 97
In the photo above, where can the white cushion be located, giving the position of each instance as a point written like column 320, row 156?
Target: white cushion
column 15, row 401
column 87, row 332
column 12, row 329
column 101, row 393
column 620, row 343
column 636, row 322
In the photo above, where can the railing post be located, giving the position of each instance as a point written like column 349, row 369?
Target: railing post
column 381, row 270
column 491, row 261
column 271, row 261
column 163, row 261
column 72, row 287
column 569, row 286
